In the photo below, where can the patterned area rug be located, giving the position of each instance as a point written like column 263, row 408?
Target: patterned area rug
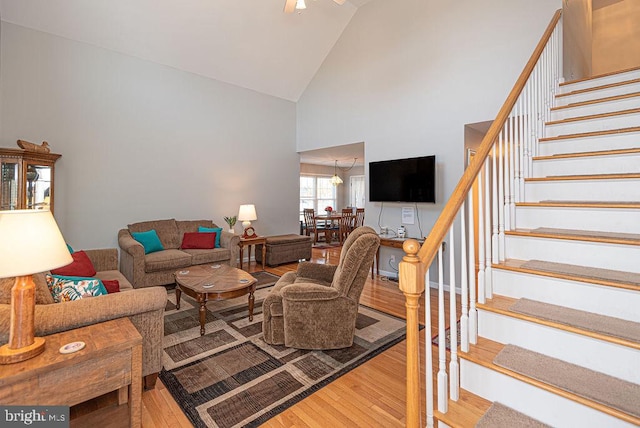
column 447, row 337
column 327, row 245
column 230, row 377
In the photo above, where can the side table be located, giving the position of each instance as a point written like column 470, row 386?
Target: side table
column 248, row 242
column 111, row 360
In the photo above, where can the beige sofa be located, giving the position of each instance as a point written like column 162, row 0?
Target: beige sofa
column 158, row 268
column 145, row 309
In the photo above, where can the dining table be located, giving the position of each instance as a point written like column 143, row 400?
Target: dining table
column 330, row 223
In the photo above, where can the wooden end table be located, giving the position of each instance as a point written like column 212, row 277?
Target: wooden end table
column 111, row 360
column 248, row 242
column 214, row 282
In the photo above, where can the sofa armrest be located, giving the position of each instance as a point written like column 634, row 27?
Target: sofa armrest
column 230, row 241
column 103, row 259
column 305, row 292
column 316, row 271
column 131, row 258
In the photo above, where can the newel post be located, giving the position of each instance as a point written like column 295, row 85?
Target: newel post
column 411, row 276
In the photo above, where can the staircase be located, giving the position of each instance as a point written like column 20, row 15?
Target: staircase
column 559, row 337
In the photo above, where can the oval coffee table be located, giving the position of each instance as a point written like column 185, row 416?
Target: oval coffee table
column 214, row 282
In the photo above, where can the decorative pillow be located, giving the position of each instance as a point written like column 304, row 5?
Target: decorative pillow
column 81, row 266
column 217, row 230
column 65, row 289
column 70, row 249
column 112, row 285
column 149, row 240
column 196, row 240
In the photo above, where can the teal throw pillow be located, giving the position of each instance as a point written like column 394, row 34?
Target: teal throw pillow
column 217, row 230
column 66, row 289
column 70, row 249
column 149, row 241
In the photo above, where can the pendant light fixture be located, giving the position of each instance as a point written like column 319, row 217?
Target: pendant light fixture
column 335, row 180
column 300, row 5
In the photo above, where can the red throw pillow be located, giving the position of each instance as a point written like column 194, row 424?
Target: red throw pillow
column 81, row 266
column 196, row 240
column 112, row 285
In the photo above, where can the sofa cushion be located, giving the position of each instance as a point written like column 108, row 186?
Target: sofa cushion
column 110, row 275
column 167, row 231
column 111, row 285
column 185, row 226
column 198, row 241
column 200, row 257
column 166, row 259
column 80, row 266
column 65, row 289
column 149, row 240
column 216, row 230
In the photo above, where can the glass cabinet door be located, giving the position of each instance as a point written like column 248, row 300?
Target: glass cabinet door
column 38, row 187
column 9, row 184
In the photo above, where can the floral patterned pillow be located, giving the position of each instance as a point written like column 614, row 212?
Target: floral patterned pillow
column 65, row 289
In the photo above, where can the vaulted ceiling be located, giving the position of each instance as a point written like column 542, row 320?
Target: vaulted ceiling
column 248, row 43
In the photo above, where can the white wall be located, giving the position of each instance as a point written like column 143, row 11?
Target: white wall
column 405, row 79
column 577, row 39
column 141, row 141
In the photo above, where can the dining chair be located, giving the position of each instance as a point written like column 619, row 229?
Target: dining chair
column 359, row 220
column 346, row 224
column 311, row 224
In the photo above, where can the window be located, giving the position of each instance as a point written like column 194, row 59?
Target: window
column 316, row 192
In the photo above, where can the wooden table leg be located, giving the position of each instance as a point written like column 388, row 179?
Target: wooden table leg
column 135, row 388
column 202, row 299
column 264, row 254
column 178, row 294
column 241, row 255
column 251, row 302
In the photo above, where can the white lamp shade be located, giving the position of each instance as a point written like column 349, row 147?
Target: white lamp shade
column 335, row 180
column 247, row 213
column 30, row 242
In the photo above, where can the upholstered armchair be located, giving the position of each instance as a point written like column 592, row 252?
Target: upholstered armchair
column 316, row 306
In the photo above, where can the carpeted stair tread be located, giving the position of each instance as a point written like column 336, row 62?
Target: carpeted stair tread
column 586, row 235
column 581, row 204
column 501, row 416
column 602, row 324
column 581, row 272
column 595, row 386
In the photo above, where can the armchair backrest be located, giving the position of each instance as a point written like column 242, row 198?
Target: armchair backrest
column 356, row 259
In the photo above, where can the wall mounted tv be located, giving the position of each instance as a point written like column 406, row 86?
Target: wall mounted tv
column 403, row 180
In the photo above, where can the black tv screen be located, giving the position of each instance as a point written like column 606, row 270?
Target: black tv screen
column 403, row 180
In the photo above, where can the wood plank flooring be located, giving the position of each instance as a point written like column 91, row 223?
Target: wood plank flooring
column 372, row 395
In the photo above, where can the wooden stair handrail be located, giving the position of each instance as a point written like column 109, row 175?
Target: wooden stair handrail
column 445, row 220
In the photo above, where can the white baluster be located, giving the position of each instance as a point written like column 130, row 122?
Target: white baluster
column 512, row 183
column 473, row 312
column 487, row 235
column 506, row 149
column 482, row 293
column 495, row 253
column 502, row 203
column 454, row 368
column 464, row 283
column 443, row 404
column 428, row 352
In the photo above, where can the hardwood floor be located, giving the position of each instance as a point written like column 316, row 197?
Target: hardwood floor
column 372, row 395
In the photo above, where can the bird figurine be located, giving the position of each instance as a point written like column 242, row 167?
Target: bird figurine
column 43, row 148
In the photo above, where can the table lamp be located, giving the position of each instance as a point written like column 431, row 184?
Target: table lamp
column 246, row 215
column 30, row 242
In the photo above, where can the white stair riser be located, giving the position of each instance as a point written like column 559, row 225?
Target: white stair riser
column 591, row 125
column 597, row 219
column 583, row 190
column 596, row 108
column 609, row 164
column 583, row 296
column 545, row 406
column 581, row 253
column 625, row 140
column 597, row 94
column 600, row 81
column 574, row 348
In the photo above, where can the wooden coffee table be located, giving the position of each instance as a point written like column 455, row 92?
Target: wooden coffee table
column 214, row 282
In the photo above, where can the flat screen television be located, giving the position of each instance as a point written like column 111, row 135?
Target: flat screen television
column 403, row 180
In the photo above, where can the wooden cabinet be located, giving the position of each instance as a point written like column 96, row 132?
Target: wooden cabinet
column 26, row 179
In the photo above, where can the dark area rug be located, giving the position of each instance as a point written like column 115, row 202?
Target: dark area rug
column 230, row 377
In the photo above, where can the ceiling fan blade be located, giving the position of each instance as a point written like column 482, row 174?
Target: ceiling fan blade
column 289, row 6
column 340, row 2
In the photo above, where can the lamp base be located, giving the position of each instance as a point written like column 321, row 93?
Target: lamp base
column 10, row 356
